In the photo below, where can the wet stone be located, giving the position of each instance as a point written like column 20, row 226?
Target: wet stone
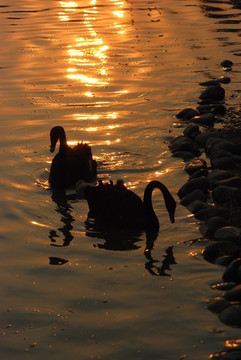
column 202, row 138
column 197, row 205
column 234, row 294
column 219, row 110
column 234, row 181
column 212, row 211
column 231, row 316
column 218, row 304
column 209, row 83
column 185, row 155
column 224, row 286
column 226, row 195
column 233, row 271
column 214, row 92
column 191, row 131
column 215, row 250
column 194, row 195
column 226, row 355
column 210, row 226
column 211, row 141
column 228, row 233
column 207, row 119
column 187, row 114
column 224, row 79
column 220, row 154
column 226, row 63
column 203, row 109
column 224, row 260
column 199, row 173
column 217, row 175
column 224, row 145
column 227, row 162
column 183, row 143
column 196, row 183
column 195, row 165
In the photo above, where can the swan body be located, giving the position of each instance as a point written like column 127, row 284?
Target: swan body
column 116, row 205
column 70, row 164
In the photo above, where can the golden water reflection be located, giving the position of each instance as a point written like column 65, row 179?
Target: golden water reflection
column 88, row 56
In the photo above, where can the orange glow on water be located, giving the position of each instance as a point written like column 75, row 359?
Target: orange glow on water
column 88, row 59
column 39, row 224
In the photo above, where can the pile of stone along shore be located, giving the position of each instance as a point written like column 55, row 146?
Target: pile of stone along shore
column 213, row 194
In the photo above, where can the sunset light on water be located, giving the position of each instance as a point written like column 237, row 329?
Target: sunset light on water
column 113, row 74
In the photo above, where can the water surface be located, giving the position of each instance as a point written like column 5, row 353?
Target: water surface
column 113, row 74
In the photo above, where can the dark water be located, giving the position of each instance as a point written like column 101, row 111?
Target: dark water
column 113, row 74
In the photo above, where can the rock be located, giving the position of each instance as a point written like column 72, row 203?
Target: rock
column 234, row 181
column 216, row 175
column 196, row 183
column 203, row 109
column 215, row 92
column 212, row 141
column 219, row 110
column 224, row 260
column 230, row 354
column 202, row 138
column 199, row 173
column 183, row 143
column 226, row 63
column 206, row 119
column 187, row 114
column 220, row 154
column 218, row 304
column 226, row 162
column 209, row 83
column 211, row 212
column 221, row 80
column 185, row 155
column 228, row 233
column 226, row 195
column 210, row 226
column 195, row 165
column 191, row 131
column 194, row 195
column 223, row 286
column 224, row 145
column 215, row 250
column 233, row 272
column 197, row 205
column 224, row 79
column 233, row 294
column 231, row 316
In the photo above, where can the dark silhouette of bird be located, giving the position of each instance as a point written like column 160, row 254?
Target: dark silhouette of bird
column 118, row 206
column 70, row 164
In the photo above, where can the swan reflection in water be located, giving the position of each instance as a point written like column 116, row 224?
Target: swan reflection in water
column 117, row 237
column 64, row 209
column 126, row 216
column 128, row 239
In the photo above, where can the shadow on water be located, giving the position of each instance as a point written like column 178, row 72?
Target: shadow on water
column 126, row 240
column 114, row 239
column 64, row 209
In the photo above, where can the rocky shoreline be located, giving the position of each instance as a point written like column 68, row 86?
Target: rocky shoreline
column 212, row 193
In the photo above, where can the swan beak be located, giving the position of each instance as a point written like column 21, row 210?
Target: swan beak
column 52, row 149
column 172, row 219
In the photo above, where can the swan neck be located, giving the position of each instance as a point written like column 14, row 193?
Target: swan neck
column 169, row 202
column 151, row 218
column 58, row 133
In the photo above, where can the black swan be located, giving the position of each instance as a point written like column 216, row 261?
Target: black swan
column 70, row 164
column 116, row 205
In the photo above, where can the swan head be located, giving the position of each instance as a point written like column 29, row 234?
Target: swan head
column 56, row 133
